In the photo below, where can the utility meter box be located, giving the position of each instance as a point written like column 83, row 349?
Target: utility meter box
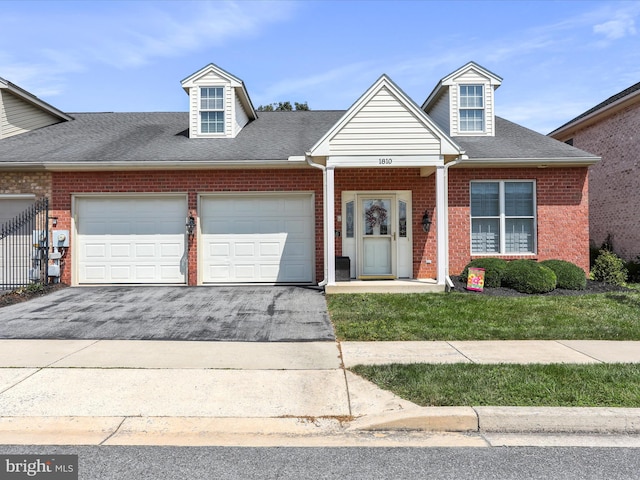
column 53, row 270
column 60, row 238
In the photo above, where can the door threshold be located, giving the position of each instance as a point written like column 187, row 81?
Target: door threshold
column 377, row 277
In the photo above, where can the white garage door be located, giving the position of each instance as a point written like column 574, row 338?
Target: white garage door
column 131, row 239
column 262, row 238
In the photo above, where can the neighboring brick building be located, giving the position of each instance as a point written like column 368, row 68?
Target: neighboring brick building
column 223, row 194
column 611, row 130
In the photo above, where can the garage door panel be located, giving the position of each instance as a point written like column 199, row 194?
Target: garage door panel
column 257, row 239
column 120, row 251
column 131, row 239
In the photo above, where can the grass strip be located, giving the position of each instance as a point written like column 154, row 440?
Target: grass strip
column 458, row 316
column 555, row 385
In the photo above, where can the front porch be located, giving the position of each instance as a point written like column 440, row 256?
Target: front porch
column 386, row 286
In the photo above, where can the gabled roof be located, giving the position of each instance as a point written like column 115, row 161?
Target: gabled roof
column 160, row 140
column 449, row 80
column 32, row 99
column 610, row 105
column 448, row 146
column 236, row 83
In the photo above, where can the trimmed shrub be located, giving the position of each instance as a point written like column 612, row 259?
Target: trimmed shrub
column 493, row 270
column 528, row 276
column 609, row 268
column 633, row 270
column 569, row 275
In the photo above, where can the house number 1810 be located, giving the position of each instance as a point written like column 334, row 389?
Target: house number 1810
column 385, row 161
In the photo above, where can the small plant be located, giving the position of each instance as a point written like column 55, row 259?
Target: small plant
column 569, row 275
column 493, row 270
column 609, row 268
column 633, row 270
column 528, row 276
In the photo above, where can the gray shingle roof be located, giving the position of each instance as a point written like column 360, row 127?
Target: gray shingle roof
column 157, row 137
column 513, row 141
column 160, row 137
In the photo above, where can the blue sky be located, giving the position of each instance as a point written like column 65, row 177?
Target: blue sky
column 556, row 58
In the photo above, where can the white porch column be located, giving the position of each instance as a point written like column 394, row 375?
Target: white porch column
column 441, row 225
column 329, row 234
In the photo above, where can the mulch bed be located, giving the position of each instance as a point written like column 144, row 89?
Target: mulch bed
column 23, row 294
column 592, row 287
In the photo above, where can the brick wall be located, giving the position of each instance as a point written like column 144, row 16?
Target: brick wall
column 614, row 182
column 191, row 182
column 562, row 210
column 562, row 213
column 423, row 198
column 37, row 183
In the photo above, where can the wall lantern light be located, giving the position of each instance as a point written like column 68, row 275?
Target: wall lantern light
column 191, row 225
column 426, row 222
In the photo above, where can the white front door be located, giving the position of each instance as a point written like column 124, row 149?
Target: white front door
column 377, row 233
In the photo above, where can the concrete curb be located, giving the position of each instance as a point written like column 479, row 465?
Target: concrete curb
column 258, row 431
column 558, row 420
column 428, row 419
column 507, row 420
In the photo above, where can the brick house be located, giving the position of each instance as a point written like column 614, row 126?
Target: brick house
column 224, row 194
column 610, row 130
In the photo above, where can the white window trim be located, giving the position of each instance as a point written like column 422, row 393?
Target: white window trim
column 502, row 219
column 201, row 110
column 483, row 109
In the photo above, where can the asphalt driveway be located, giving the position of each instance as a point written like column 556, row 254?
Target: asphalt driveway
column 246, row 314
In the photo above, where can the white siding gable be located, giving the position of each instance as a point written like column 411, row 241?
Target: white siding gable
column 18, row 116
column 443, row 103
column 472, row 77
column 238, row 110
column 384, row 122
column 384, row 126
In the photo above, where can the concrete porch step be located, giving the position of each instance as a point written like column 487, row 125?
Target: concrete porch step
column 386, row 286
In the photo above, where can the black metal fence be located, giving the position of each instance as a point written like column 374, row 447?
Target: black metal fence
column 24, row 253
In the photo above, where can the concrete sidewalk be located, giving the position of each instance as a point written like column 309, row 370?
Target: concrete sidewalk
column 198, row 393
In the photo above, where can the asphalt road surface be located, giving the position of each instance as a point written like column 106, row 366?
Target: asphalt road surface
column 530, row 463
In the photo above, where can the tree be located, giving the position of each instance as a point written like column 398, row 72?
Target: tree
column 283, row 107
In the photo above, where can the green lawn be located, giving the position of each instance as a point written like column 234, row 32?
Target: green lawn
column 599, row 385
column 460, row 316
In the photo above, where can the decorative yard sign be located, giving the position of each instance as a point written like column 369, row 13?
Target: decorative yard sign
column 475, row 280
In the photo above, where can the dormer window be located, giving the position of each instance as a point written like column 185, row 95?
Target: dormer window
column 471, row 108
column 212, row 110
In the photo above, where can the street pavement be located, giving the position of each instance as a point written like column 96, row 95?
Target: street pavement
column 146, row 392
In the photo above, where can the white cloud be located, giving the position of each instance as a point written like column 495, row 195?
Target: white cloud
column 617, row 28
column 122, row 35
column 157, row 32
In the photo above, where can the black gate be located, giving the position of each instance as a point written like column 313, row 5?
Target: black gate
column 24, row 252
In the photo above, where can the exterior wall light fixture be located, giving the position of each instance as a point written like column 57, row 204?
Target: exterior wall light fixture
column 191, row 224
column 426, row 222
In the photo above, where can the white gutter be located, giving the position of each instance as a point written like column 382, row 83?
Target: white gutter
column 313, row 164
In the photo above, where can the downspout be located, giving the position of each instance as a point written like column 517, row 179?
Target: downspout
column 447, row 278
column 313, row 164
